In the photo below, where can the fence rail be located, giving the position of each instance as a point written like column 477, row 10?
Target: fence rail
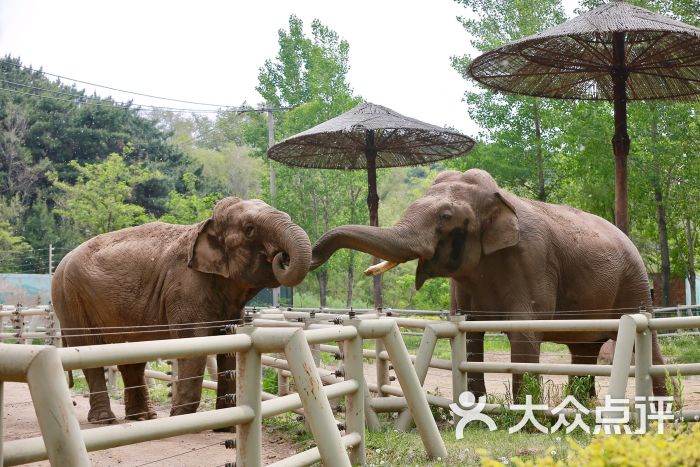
column 299, row 336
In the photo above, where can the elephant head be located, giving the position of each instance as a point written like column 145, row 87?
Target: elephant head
column 462, row 217
column 252, row 242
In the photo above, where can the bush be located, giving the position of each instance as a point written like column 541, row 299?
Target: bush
column 680, row 446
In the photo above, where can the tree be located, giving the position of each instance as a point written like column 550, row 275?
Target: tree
column 189, row 208
column 13, row 249
column 45, row 124
column 520, row 129
column 98, row 201
column 309, row 74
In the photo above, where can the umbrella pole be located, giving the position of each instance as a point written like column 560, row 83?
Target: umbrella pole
column 373, row 206
column 621, row 140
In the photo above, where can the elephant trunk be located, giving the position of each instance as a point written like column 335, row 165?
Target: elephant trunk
column 295, row 251
column 397, row 244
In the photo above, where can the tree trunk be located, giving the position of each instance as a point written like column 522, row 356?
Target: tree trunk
column 690, row 238
column 354, row 193
column 351, row 279
column 541, row 192
column 663, row 243
column 322, row 277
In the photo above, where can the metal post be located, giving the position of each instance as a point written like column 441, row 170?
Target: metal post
column 2, row 426
column 370, row 414
column 212, row 368
column 381, row 366
column 317, row 410
column 642, row 362
column 50, row 259
column 413, row 391
column 354, row 406
column 54, row 410
column 458, row 344
column 423, row 357
column 622, row 360
column 273, row 183
column 248, row 392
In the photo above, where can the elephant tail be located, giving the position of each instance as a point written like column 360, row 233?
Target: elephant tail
column 71, row 381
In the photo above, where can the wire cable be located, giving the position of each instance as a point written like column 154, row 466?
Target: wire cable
column 46, row 73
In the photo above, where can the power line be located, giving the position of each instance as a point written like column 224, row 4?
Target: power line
column 112, row 88
column 134, row 106
column 116, row 105
column 226, row 107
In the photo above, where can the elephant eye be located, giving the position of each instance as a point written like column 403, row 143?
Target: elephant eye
column 445, row 216
column 249, row 230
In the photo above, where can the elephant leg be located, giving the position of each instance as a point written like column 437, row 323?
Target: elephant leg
column 226, row 385
column 100, row 410
column 475, row 353
column 136, row 392
column 586, row 354
column 187, row 390
column 524, row 348
column 659, row 382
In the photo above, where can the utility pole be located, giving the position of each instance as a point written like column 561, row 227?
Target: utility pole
column 50, row 260
column 273, row 183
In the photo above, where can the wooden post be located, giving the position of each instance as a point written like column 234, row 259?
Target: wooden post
column 373, row 206
column 621, row 140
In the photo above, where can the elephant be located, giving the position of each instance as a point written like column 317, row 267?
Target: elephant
column 170, row 275
column 510, row 258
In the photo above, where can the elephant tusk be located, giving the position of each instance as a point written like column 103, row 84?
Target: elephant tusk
column 380, row 268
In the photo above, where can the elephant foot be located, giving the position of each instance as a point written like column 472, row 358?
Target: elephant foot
column 183, row 410
column 142, row 415
column 101, row 416
column 226, row 429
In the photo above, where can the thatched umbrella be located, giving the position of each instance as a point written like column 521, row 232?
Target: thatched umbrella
column 370, row 136
column 615, row 52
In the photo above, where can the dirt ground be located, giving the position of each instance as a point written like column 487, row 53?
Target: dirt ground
column 206, row 449
column 195, row 450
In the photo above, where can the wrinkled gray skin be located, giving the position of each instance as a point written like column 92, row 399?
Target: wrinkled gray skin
column 159, row 273
column 511, row 258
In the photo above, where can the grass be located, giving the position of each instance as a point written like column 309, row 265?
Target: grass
column 492, row 343
column 681, row 348
column 389, row 447
column 159, row 393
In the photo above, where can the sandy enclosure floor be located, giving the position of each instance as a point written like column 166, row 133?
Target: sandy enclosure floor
column 206, row 449
column 201, row 449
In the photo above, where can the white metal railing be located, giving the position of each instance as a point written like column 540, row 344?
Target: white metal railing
column 633, row 331
column 24, row 324
column 299, row 336
column 63, row 443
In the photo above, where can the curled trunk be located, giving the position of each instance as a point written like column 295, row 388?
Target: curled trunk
column 291, row 264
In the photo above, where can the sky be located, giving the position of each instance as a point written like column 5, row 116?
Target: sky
column 211, row 51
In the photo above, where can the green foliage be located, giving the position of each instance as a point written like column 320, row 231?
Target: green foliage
column 269, row 383
column 42, row 131
column 11, row 249
column 98, row 200
column 519, row 130
column 189, row 208
column 309, row 74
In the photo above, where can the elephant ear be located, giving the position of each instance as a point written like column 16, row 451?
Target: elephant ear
column 501, row 230
column 207, row 254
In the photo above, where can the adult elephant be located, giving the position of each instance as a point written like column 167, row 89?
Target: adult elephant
column 510, row 258
column 172, row 275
